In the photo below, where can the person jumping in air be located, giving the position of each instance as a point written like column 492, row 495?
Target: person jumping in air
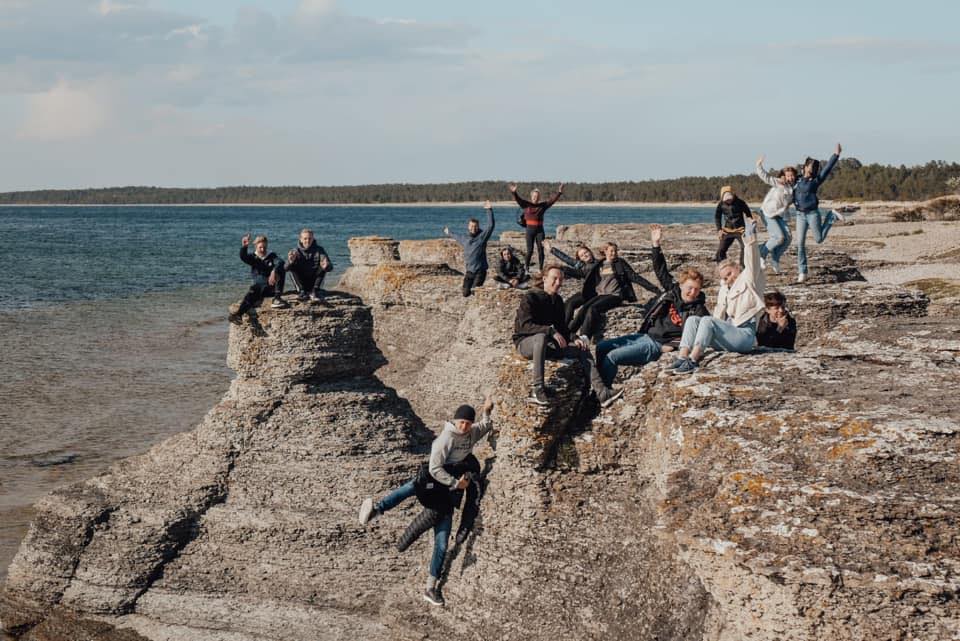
column 438, row 487
column 662, row 325
column 308, row 263
column 532, row 217
column 733, row 326
column 729, row 218
column 474, row 244
column 267, row 273
column 776, row 206
column 510, row 272
column 808, row 208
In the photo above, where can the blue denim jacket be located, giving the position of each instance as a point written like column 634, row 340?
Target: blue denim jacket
column 805, row 191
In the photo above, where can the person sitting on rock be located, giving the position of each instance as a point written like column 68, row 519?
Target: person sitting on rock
column 776, row 205
column 452, row 467
column 662, row 325
column 777, row 328
column 267, row 273
column 729, row 218
column 540, row 332
column 510, row 273
column 609, row 284
column 808, row 208
column 308, row 263
column 733, row 326
column 474, row 244
column 578, row 267
column 532, row 217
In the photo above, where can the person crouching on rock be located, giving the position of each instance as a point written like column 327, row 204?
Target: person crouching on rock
column 267, row 273
column 474, row 244
column 729, row 218
column 733, row 326
column 663, row 322
column 540, row 332
column 308, row 263
column 511, row 273
column 439, row 486
column 777, row 328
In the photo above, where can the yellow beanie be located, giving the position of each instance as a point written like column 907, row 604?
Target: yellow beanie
column 725, row 189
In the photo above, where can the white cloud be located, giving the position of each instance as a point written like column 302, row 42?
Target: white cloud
column 316, row 7
column 63, row 113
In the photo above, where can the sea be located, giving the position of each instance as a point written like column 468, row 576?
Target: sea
column 113, row 330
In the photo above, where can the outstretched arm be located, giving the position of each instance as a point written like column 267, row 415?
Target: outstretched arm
column 764, row 175
column 245, row 256
column 830, row 163
column 517, row 197
column 751, row 256
column 555, row 197
column 634, row 277
column 659, row 260
column 491, row 223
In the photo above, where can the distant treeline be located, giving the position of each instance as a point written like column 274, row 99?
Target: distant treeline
column 851, row 180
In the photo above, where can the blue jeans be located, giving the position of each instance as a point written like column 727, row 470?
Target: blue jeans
column 814, row 220
column 441, row 531
column 632, row 349
column 724, row 336
column 779, row 239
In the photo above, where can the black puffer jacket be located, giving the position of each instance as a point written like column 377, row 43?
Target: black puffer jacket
column 666, row 315
column 575, row 268
column 313, row 256
column 510, row 269
column 261, row 268
column 731, row 216
column 625, row 276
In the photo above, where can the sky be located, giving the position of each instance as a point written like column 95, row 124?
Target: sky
column 179, row 93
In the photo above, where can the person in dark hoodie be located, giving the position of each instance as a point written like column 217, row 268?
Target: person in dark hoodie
column 540, row 332
column 777, row 327
column 807, row 202
column 730, row 221
column 308, row 263
column 662, row 325
column 510, row 272
column 532, row 217
column 267, row 272
column 438, row 489
column 609, row 284
column 578, row 267
column 474, row 244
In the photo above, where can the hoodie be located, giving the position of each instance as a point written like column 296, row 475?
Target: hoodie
column 451, row 447
column 312, row 256
column 666, row 316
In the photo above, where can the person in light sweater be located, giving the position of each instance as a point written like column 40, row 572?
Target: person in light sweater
column 733, row 326
column 776, row 205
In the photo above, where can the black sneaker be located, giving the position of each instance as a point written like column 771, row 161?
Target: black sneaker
column 607, row 396
column 462, row 536
column 433, row 596
column 315, row 297
column 236, row 318
column 538, row 396
column 303, row 297
column 279, row 303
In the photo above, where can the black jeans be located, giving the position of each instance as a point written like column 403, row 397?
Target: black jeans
column 590, row 316
column 539, row 347
column 473, row 279
column 725, row 241
column 570, row 307
column 306, row 278
column 535, row 235
column 258, row 292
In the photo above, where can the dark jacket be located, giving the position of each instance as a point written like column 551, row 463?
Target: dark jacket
column 533, row 213
column 475, row 247
column 625, row 276
column 312, row 256
column 731, row 216
column 665, row 317
column 575, row 268
column 770, row 335
column 261, row 268
column 805, row 191
column 510, row 269
column 539, row 313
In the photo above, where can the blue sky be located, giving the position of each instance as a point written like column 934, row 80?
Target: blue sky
column 177, row 93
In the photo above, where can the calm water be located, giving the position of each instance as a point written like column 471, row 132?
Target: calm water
column 112, row 323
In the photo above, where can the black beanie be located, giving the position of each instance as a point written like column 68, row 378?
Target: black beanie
column 465, row 412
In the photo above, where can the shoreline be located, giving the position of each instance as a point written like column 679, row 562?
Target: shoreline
column 500, row 203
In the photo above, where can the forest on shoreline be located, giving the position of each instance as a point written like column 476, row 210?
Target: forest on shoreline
column 851, row 180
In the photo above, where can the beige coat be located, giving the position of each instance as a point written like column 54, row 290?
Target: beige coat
column 743, row 300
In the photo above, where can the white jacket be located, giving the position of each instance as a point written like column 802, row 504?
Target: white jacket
column 779, row 199
column 743, row 300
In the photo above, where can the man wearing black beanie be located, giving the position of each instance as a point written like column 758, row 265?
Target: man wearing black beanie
column 451, row 447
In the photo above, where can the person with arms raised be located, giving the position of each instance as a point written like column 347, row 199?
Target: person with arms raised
column 532, row 219
column 474, row 244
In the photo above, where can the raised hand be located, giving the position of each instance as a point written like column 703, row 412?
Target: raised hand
column 446, row 231
column 245, row 241
column 487, row 405
column 656, row 234
column 487, row 205
column 292, row 256
column 512, row 187
column 839, row 149
column 560, row 189
column 761, row 159
column 324, row 263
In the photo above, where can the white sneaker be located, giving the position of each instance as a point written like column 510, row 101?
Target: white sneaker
column 366, row 511
column 801, row 277
column 503, row 286
column 763, row 263
column 838, row 215
column 775, row 266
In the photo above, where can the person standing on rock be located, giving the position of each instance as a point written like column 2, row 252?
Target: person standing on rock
column 662, row 325
column 511, row 273
column 267, row 273
column 776, row 205
column 532, row 219
column 777, row 328
column 452, row 467
column 729, row 218
column 308, row 263
column 540, row 332
column 807, row 202
column 474, row 244
column 733, row 326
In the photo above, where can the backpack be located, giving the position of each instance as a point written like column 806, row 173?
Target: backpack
column 520, row 219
